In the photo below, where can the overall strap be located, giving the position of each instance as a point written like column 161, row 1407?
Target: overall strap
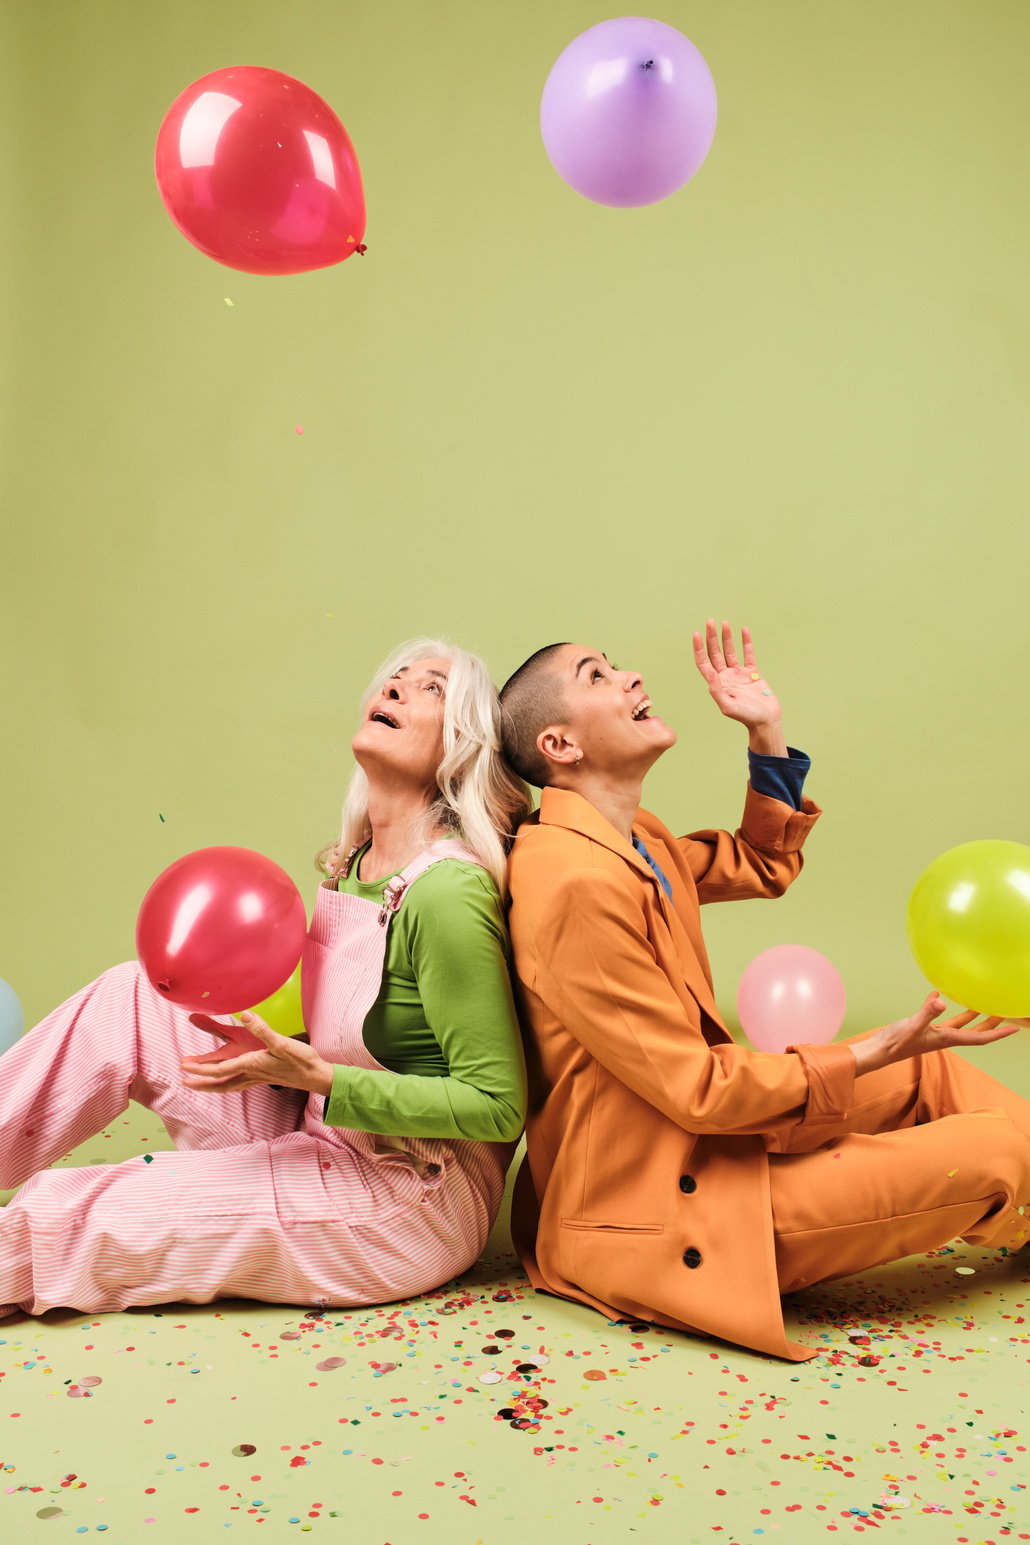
column 395, row 890
column 342, row 867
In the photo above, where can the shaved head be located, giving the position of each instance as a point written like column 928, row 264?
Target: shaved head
column 531, row 699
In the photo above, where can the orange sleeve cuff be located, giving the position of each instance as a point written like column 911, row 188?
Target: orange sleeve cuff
column 831, row 1081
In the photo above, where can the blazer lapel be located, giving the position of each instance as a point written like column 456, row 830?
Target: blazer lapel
column 563, row 807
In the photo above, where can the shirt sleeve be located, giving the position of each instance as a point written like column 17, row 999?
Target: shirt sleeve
column 459, row 954
column 780, row 777
column 761, row 858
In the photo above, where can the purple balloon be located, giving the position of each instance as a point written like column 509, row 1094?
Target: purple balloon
column 628, row 112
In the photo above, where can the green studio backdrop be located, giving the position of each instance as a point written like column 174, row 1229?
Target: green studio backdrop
column 795, row 395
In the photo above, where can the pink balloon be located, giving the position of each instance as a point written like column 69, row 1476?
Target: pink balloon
column 788, row 996
column 220, row 929
column 628, row 112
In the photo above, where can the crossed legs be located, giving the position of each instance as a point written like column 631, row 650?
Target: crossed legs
column 933, row 1149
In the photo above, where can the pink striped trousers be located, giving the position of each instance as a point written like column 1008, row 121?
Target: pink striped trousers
column 248, row 1206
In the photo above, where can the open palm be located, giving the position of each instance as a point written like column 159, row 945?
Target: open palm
column 740, row 690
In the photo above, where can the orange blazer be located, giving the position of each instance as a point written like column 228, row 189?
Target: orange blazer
column 645, row 1188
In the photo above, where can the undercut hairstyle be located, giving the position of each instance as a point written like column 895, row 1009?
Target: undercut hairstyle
column 531, row 699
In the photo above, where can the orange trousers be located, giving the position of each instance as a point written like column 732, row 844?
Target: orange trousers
column 933, row 1149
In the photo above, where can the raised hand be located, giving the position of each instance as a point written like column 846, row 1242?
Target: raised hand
column 740, row 691
column 254, row 1054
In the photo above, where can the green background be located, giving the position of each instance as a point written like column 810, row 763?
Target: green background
column 794, row 395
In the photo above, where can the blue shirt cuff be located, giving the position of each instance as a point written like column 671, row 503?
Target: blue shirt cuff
column 779, row 777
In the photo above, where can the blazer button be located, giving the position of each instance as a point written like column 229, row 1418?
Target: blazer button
column 688, row 1184
column 691, row 1257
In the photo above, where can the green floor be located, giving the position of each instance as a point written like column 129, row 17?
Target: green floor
column 486, row 1412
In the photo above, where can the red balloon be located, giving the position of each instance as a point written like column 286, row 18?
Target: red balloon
column 220, row 929
column 258, row 172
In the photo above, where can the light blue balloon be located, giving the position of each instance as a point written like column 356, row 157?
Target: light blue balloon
column 12, row 1019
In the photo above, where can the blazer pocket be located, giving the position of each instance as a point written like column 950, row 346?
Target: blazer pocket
column 613, row 1228
column 605, row 1258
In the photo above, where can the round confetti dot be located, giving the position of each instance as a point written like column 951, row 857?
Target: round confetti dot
column 244, row 1450
column 330, row 1363
column 50, row 1512
column 491, row 1378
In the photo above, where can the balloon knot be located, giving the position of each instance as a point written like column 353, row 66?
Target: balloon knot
column 361, row 249
column 648, row 64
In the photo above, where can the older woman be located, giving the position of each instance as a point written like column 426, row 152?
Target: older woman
column 362, row 1165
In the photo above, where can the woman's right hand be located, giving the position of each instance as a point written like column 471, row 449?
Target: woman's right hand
column 916, row 1035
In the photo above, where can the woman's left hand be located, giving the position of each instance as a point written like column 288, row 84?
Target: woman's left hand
column 740, row 691
column 254, row 1053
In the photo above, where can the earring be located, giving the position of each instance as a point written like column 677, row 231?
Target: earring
column 579, row 758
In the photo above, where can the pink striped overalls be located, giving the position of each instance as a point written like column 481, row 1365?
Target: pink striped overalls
column 260, row 1199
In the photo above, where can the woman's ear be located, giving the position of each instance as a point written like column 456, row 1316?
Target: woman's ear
column 553, row 744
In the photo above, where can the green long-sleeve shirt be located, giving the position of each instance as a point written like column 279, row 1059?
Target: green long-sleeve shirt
column 444, row 1024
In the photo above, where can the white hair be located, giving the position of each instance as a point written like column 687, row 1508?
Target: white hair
column 480, row 799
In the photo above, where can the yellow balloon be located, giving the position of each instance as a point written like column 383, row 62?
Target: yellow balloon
column 968, row 924
column 283, row 1009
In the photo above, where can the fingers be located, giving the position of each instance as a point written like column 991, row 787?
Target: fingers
column 227, row 1053
column 227, row 1067
column 983, row 1035
column 729, row 649
column 701, row 659
column 749, row 649
column 712, row 639
column 958, row 1022
column 257, row 1027
column 212, row 1026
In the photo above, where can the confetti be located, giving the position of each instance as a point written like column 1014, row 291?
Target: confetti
column 906, row 1410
